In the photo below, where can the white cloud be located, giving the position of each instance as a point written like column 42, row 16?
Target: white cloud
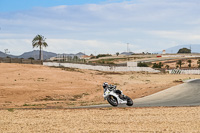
column 177, row 35
column 87, row 46
column 15, row 46
column 104, row 28
column 19, row 46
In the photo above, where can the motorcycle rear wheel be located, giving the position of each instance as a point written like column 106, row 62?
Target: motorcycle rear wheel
column 112, row 100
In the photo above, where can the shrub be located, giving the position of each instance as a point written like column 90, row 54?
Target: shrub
column 11, row 110
column 167, row 66
column 31, row 58
column 184, row 50
column 103, row 55
column 142, row 64
column 159, row 65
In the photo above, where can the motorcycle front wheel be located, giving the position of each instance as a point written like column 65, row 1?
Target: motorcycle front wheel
column 112, row 100
column 129, row 101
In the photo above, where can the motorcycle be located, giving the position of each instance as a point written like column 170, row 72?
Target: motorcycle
column 114, row 96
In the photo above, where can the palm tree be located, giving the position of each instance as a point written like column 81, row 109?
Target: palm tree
column 167, row 66
column 179, row 62
column 39, row 41
column 189, row 61
column 198, row 62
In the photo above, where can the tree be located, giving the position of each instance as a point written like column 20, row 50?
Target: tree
column 159, row 65
column 167, row 66
column 31, row 58
column 184, row 50
column 142, row 64
column 39, row 41
column 198, row 62
column 117, row 53
column 75, row 58
column 189, row 61
column 180, row 63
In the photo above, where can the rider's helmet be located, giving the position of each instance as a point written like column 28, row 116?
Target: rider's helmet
column 105, row 84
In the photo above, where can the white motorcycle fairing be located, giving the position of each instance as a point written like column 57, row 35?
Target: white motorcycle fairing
column 108, row 93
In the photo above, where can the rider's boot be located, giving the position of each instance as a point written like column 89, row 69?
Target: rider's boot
column 122, row 96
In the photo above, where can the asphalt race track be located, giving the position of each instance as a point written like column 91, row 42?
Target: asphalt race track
column 186, row 94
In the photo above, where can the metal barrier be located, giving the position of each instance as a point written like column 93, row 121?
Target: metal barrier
column 22, row 61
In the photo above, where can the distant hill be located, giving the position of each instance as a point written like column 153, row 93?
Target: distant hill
column 6, row 55
column 127, row 53
column 35, row 54
column 79, row 54
column 3, row 54
column 194, row 47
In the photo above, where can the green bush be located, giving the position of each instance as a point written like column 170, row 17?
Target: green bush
column 159, row 65
column 31, row 58
column 184, row 50
column 11, row 110
column 142, row 64
column 103, row 55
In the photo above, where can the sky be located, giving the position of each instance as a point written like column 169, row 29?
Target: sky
column 99, row 26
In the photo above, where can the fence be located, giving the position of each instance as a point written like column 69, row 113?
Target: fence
column 22, row 61
column 88, row 63
column 185, row 71
column 102, row 68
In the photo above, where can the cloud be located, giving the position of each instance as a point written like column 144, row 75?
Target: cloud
column 19, row 46
column 106, row 27
column 15, row 46
column 178, row 35
column 86, row 46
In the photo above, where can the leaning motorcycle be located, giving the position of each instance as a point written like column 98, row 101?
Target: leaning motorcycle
column 114, row 96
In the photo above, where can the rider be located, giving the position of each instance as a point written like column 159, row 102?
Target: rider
column 105, row 84
column 113, row 87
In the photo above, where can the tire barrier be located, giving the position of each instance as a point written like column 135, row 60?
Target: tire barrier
column 176, row 71
column 185, row 71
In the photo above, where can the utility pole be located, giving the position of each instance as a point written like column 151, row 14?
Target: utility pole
column 6, row 51
column 127, row 47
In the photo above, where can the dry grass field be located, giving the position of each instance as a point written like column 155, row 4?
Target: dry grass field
column 53, row 89
column 105, row 120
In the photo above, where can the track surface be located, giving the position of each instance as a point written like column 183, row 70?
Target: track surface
column 186, row 94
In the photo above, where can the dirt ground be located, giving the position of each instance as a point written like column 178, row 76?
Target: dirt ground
column 105, row 120
column 31, row 86
column 35, row 86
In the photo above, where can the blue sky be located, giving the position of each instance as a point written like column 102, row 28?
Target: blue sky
column 14, row 5
column 103, row 26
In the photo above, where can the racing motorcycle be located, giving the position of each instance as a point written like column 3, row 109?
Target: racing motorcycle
column 114, row 96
